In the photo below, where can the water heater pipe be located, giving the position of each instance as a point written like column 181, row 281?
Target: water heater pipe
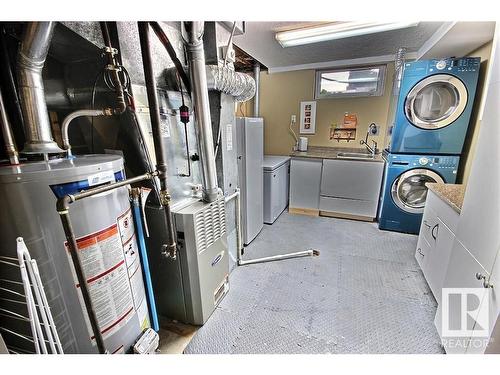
column 169, row 249
column 10, row 145
column 62, row 207
column 73, row 115
column 30, row 61
column 256, row 76
column 193, row 40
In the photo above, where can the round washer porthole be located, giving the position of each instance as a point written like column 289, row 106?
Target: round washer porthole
column 436, row 101
column 409, row 192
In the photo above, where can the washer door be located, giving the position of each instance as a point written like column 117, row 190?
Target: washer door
column 436, row 101
column 409, row 191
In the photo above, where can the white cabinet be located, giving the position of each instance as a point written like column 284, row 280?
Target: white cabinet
column 435, row 241
column 305, row 181
column 350, row 188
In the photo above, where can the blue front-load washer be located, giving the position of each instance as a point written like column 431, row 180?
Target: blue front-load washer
column 404, row 191
column 434, row 106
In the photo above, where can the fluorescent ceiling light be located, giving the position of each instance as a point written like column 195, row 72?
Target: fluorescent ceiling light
column 336, row 30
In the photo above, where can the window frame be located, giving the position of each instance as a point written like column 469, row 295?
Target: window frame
column 379, row 92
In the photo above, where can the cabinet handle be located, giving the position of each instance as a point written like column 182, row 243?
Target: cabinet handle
column 420, row 252
column 432, row 231
column 427, row 224
column 486, row 283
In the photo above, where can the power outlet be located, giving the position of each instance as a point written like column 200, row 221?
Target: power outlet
column 294, row 119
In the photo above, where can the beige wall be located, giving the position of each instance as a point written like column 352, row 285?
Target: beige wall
column 280, row 97
column 484, row 53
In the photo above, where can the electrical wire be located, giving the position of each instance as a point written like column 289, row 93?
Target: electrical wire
column 185, row 131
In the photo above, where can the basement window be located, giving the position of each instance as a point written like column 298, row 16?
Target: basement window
column 350, row 82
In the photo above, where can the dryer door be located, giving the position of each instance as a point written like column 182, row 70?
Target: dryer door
column 436, row 101
column 409, row 192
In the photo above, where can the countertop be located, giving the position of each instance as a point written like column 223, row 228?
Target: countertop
column 316, row 152
column 452, row 194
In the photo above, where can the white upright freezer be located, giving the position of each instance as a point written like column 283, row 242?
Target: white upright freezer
column 276, row 181
column 250, row 147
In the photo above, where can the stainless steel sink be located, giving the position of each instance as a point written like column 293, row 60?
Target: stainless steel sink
column 355, row 155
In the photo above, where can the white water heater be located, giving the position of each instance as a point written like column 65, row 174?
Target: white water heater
column 107, row 246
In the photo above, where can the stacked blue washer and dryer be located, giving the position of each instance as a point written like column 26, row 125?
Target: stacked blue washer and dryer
column 426, row 136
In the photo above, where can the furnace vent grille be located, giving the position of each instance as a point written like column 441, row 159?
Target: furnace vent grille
column 210, row 224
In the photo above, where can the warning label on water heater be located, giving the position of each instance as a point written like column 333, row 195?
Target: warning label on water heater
column 105, row 269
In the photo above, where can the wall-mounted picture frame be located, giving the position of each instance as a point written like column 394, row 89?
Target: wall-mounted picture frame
column 307, row 117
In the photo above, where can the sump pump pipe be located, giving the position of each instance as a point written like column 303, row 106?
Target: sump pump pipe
column 193, row 40
column 239, row 254
column 169, row 249
column 30, row 61
column 10, row 144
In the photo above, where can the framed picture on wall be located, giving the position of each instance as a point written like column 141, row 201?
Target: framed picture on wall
column 307, row 117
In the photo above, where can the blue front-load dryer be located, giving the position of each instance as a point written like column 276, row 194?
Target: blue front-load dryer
column 434, row 106
column 404, row 191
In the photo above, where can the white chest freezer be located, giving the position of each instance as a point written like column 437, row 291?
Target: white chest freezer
column 276, row 181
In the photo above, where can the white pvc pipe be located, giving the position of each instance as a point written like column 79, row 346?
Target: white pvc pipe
column 73, row 115
column 240, row 261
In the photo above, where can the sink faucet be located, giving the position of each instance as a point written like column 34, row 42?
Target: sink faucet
column 372, row 129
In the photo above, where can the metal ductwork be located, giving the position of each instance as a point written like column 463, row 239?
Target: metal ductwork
column 193, row 39
column 31, row 58
column 256, row 74
column 226, row 80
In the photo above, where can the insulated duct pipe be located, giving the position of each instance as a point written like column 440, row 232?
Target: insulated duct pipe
column 31, row 58
column 169, row 249
column 193, row 39
column 226, row 80
column 256, row 76
column 10, row 145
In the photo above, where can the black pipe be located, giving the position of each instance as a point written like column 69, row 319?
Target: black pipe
column 11, row 87
column 113, row 69
column 171, row 52
column 73, row 250
column 169, row 249
column 62, row 207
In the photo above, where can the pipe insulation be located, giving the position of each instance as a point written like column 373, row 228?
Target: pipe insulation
column 193, row 39
column 224, row 79
column 30, row 61
column 256, row 74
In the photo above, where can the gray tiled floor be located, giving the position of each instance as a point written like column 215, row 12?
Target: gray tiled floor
column 364, row 294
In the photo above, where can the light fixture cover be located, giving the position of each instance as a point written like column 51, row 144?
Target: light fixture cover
column 336, row 30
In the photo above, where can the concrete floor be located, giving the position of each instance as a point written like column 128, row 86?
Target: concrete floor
column 365, row 293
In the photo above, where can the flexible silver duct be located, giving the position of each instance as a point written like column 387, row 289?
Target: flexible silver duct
column 193, row 38
column 226, row 80
column 31, row 58
column 256, row 74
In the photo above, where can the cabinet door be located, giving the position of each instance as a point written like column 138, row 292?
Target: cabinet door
column 351, row 179
column 429, row 223
column 422, row 253
column 305, row 180
column 438, row 257
column 461, row 273
column 490, row 307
